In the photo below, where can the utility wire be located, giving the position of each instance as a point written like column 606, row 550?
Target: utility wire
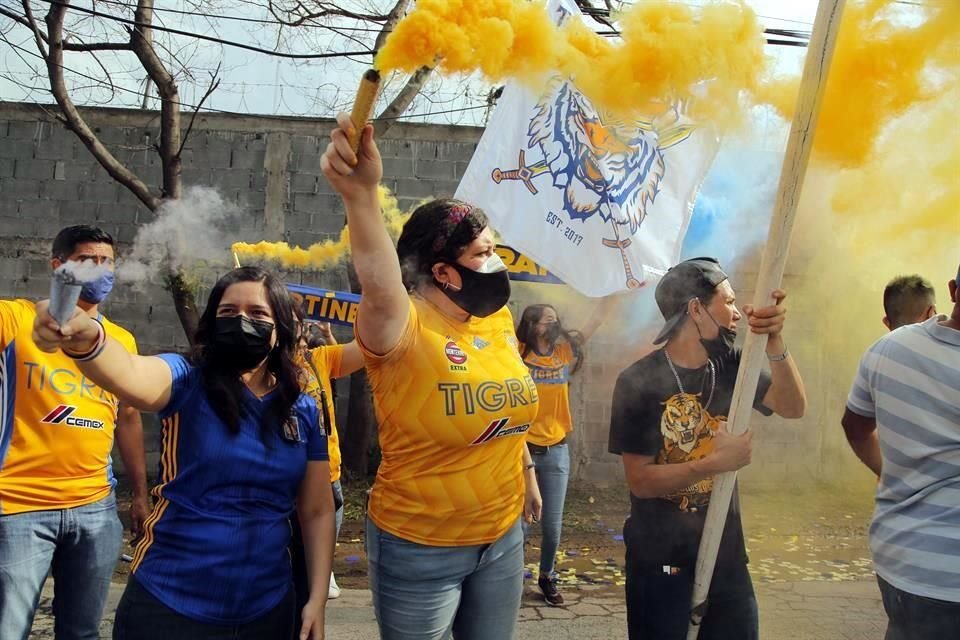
column 100, row 82
column 229, row 43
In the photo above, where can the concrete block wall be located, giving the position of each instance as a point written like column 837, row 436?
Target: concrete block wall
column 270, row 168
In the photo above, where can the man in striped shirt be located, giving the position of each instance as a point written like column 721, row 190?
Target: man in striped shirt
column 903, row 422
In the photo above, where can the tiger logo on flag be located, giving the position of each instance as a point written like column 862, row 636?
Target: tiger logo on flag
column 606, row 167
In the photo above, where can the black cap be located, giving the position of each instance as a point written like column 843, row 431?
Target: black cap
column 694, row 278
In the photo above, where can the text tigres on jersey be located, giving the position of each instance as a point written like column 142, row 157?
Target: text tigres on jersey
column 453, row 401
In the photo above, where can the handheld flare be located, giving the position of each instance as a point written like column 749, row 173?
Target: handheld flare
column 363, row 105
column 64, row 293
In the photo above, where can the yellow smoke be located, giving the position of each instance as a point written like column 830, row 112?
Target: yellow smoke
column 858, row 228
column 888, row 58
column 668, row 50
column 321, row 255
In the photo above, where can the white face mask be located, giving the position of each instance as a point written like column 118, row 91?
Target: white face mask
column 493, row 264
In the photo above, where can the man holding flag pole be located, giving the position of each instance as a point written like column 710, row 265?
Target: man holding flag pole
column 668, row 421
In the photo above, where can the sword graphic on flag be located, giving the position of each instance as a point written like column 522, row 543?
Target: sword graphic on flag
column 565, row 184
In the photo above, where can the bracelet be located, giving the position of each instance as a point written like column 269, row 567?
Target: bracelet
column 529, row 466
column 779, row 358
column 95, row 350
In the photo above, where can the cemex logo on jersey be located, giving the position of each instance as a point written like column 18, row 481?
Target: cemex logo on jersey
column 497, row 429
column 63, row 414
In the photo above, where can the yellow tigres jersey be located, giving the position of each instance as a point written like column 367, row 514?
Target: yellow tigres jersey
column 453, row 401
column 56, row 427
column 326, row 360
column 551, row 373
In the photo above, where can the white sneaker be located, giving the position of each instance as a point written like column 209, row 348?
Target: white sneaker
column 334, row 591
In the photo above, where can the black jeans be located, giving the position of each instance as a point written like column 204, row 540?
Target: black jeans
column 913, row 617
column 140, row 616
column 658, row 603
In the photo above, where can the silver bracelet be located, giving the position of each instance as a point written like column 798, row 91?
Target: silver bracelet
column 779, row 358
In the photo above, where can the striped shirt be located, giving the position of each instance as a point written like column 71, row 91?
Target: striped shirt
column 909, row 381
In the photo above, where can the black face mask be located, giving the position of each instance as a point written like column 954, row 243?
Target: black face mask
column 482, row 293
column 719, row 349
column 552, row 334
column 240, row 343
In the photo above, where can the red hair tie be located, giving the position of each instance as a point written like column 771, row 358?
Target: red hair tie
column 455, row 216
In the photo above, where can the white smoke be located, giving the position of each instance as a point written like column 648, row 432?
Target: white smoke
column 187, row 233
column 74, row 272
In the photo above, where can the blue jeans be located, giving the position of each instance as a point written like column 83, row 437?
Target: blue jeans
column 80, row 546
column 422, row 592
column 141, row 616
column 338, row 492
column 553, row 472
column 913, row 617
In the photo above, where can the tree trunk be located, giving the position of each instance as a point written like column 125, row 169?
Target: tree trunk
column 361, row 417
column 184, row 293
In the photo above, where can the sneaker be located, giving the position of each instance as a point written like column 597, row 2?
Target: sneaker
column 550, row 593
column 334, row 591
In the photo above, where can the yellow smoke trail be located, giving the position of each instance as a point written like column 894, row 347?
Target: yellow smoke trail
column 857, row 229
column 668, row 50
column 321, row 255
column 884, row 64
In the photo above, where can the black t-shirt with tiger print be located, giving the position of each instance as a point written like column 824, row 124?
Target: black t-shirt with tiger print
column 651, row 417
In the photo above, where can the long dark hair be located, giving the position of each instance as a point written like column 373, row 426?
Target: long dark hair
column 225, row 390
column 437, row 231
column 527, row 333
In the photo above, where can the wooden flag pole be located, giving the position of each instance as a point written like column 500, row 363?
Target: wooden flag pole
column 819, row 54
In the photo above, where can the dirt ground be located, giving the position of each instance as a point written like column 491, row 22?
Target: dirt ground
column 817, row 536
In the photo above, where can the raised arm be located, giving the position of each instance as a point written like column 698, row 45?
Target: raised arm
column 786, row 396
column 352, row 358
column 384, row 307
column 142, row 382
column 601, row 311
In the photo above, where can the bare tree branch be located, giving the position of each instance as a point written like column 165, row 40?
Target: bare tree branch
column 404, row 98
column 37, row 34
column 108, row 78
column 214, row 83
column 75, row 121
column 402, row 101
column 141, row 38
column 97, row 46
column 324, row 10
column 16, row 17
column 67, row 46
column 399, row 9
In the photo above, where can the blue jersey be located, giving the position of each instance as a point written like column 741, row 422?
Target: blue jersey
column 215, row 547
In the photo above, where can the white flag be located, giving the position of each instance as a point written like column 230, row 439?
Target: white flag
column 601, row 202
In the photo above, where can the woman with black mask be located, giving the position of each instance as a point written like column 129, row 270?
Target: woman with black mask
column 453, row 401
column 241, row 446
column 553, row 354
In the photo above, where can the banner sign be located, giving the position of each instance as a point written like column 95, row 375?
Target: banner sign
column 340, row 307
column 323, row 305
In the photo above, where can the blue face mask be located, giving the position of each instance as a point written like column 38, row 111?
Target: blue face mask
column 95, row 292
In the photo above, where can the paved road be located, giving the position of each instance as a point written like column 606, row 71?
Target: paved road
column 806, row 610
